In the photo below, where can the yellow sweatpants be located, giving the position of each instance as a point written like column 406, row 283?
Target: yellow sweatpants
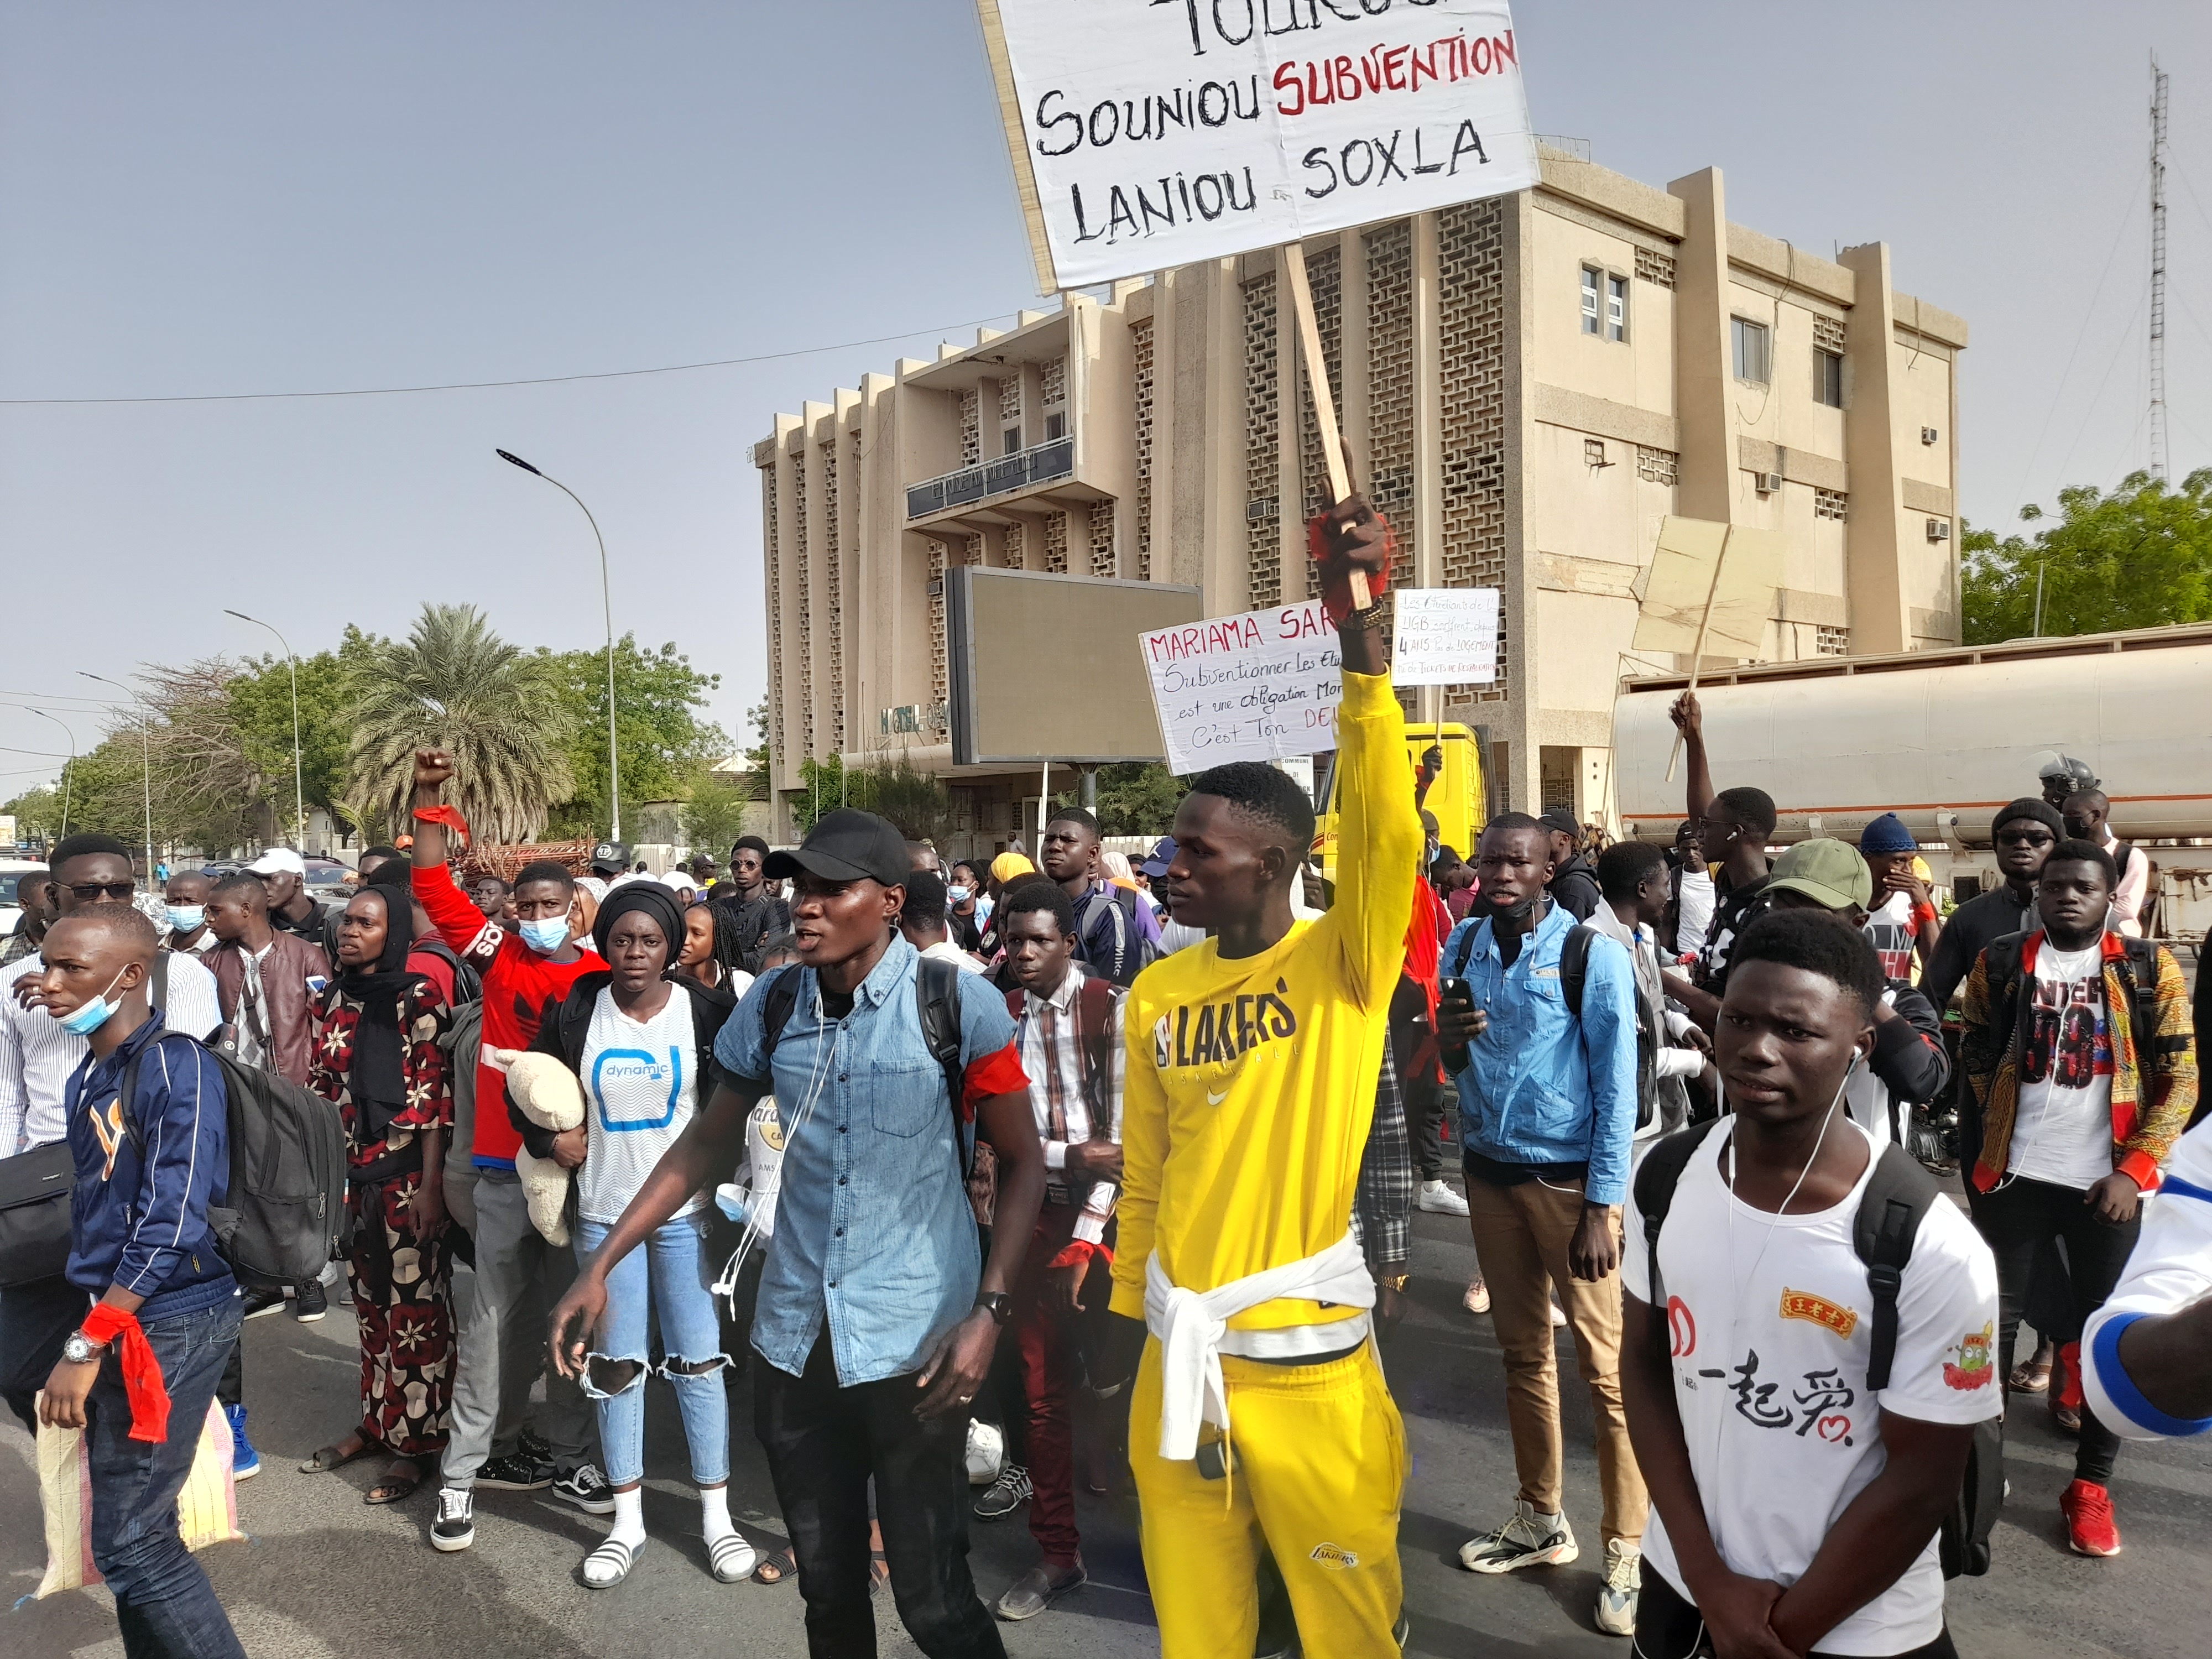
column 1319, row 1467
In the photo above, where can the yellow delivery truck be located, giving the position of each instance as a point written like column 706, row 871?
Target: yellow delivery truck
column 1459, row 798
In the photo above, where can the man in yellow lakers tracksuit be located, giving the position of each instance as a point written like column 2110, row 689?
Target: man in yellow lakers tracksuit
column 1260, row 1413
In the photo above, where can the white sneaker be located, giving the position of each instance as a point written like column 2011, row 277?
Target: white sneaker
column 1616, row 1597
column 1558, row 1314
column 1477, row 1299
column 1437, row 1199
column 1529, row 1540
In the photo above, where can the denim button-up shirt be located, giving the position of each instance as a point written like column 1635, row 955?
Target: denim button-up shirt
column 873, row 1228
column 1540, row 1087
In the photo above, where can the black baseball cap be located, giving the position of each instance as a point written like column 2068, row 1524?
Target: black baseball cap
column 1562, row 820
column 610, row 858
column 845, row 845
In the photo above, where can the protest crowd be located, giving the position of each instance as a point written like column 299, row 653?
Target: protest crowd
column 1082, row 1172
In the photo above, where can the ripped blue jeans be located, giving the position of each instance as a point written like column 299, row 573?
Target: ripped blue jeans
column 669, row 1277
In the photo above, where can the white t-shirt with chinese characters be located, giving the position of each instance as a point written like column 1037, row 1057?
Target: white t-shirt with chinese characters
column 641, row 1088
column 1769, row 1332
column 2062, row 1132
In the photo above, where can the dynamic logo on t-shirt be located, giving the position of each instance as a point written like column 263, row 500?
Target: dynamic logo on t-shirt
column 1220, row 1033
column 2068, row 1041
column 1818, row 1311
column 629, row 1068
column 1973, row 1370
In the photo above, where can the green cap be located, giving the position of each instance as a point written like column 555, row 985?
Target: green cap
column 1829, row 872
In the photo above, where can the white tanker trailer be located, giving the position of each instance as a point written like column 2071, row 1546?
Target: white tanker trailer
column 1943, row 739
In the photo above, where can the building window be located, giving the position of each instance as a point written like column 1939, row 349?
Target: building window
column 1593, row 452
column 1592, row 321
column 1616, row 307
column 1833, row 642
column 1832, row 504
column 1055, row 428
column 1012, row 439
column 1653, row 266
column 1654, row 465
column 1828, row 334
column 1751, row 350
column 1828, row 379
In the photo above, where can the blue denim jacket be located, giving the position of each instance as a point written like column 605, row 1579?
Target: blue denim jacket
column 1538, row 1089
column 873, row 1225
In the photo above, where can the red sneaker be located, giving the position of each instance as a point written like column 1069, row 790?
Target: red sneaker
column 2089, row 1525
column 2064, row 1391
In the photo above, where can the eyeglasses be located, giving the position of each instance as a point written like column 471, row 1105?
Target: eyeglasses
column 91, row 892
column 2025, row 838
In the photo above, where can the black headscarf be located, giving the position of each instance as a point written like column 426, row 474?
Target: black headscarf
column 379, row 1075
column 659, row 903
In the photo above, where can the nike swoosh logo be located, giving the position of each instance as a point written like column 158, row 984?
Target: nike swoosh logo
column 1212, row 1099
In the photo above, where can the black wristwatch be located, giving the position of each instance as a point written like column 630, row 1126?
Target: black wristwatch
column 997, row 1303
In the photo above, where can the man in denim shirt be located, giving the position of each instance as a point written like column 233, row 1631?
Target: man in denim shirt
column 1547, row 1110
column 876, row 1320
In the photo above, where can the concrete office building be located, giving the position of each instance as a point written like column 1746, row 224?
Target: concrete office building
column 1528, row 385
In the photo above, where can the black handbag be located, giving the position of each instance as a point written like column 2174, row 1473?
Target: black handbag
column 34, row 1214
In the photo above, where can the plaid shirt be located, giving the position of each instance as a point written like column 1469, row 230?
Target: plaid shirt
column 1068, row 1105
column 1383, row 1203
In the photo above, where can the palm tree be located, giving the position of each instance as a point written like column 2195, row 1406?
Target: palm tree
column 453, row 684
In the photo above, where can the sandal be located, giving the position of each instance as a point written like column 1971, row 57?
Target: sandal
column 879, row 1571
column 395, row 1488
column 775, row 1566
column 610, row 1564
column 330, row 1458
column 731, row 1558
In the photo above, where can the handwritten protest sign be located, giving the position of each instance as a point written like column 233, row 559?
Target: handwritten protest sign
column 1259, row 686
column 1145, row 136
column 1444, row 636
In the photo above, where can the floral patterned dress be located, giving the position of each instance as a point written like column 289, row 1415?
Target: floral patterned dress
column 400, row 1280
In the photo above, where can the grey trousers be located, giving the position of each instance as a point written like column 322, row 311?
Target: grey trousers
column 518, row 1276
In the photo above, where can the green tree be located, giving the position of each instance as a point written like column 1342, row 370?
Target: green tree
column 757, row 753
column 919, row 805
column 453, row 684
column 663, row 744
column 1135, row 797
column 2139, row 557
column 37, row 813
column 714, row 816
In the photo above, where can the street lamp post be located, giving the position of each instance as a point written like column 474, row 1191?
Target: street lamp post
column 146, row 746
column 69, row 773
column 299, row 769
column 606, row 601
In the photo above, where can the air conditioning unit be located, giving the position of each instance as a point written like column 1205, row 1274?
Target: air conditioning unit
column 1928, row 434
column 1768, row 483
column 1939, row 529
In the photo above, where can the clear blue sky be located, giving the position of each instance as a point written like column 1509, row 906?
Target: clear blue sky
column 221, row 197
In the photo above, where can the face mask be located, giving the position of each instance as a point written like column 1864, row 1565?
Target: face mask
column 89, row 1017
column 957, row 895
column 184, row 917
column 547, row 936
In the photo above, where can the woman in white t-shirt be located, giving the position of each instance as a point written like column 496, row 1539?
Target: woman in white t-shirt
column 1794, row 1508
column 641, row 1043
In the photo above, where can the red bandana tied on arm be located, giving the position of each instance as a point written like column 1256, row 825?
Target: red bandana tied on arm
column 449, row 816
column 142, row 1372
column 1336, row 590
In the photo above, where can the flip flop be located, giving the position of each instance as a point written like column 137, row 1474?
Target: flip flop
column 879, row 1571
column 330, row 1458
column 775, row 1566
column 394, row 1488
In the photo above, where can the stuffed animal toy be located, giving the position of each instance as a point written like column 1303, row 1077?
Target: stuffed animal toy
column 548, row 1094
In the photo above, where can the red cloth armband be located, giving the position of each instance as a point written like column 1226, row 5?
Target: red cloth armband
column 999, row 1074
column 449, row 816
column 1083, row 1251
column 1336, row 591
column 142, row 1371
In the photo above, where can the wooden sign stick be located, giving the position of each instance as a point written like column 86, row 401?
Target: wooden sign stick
column 1293, row 258
column 1698, row 657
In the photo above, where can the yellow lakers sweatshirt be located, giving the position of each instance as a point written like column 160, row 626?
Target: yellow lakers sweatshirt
column 1250, row 1084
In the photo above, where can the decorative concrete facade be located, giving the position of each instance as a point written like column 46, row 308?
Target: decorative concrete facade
column 1528, row 386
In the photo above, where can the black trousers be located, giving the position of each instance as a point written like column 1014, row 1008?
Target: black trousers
column 825, row 1444
column 35, row 1320
column 1668, row 1627
column 2016, row 1221
column 1410, row 1039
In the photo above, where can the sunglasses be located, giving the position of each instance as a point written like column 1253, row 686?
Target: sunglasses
column 91, row 892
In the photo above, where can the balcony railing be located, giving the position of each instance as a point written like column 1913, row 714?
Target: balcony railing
column 1000, row 476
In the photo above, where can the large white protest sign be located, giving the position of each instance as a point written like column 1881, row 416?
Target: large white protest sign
column 1260, row 686
column 1150, row 133
column 1444, row 636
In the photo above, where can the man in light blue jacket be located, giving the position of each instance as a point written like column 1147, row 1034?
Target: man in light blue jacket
column 1538, row 1024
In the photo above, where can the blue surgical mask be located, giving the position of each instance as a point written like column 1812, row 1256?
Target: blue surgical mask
column 957, row 894
column 88, row 1016
column 185, row 918
column 547, row 936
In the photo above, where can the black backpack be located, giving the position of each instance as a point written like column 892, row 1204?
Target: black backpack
column 1883, row 1232
column 937, row 997
column 1574, row 972
column 286, row 1216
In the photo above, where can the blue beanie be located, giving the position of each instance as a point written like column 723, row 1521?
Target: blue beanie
column 1887, row 834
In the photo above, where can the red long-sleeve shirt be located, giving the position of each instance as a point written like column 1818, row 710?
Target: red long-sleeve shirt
column 517, row 984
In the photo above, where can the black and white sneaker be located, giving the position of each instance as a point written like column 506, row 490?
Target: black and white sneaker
column 455, row 1528
column 310, row 1304
column 534, row 1446
column 586, row 1488
column 1005, row 1495
column 260, row 1302
column 516, row 1473
column 1529, row 1540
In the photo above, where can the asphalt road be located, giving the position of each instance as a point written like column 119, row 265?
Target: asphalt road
column 325, row 1577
